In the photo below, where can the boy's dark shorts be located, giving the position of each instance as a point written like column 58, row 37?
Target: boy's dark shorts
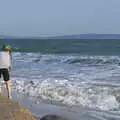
column 5, row 73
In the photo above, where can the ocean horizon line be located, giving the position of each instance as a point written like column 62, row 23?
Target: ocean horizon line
column 71, row 36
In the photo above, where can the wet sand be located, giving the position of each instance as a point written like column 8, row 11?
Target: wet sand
column 9, row 110
column 42, row 109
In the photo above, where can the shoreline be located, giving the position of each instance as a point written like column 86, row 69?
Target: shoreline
column 72, row 113
column 42, row 109
column 9, row 109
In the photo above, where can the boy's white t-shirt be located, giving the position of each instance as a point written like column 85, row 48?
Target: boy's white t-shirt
column 5, row 61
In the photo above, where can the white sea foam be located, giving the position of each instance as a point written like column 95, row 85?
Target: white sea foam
column 63, row 92
column 67, row 79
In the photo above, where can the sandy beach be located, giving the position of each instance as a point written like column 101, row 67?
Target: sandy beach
column 10, row 110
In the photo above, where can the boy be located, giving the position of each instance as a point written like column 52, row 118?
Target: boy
column 5, row 66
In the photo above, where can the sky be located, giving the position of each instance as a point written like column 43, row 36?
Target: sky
column 59, row 17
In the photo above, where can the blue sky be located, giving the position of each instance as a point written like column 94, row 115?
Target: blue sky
column 59, row 17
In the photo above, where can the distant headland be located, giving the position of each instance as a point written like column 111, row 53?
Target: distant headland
column 88, row 36
column 78, row 36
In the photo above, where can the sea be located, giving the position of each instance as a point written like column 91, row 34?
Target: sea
column 78, row 73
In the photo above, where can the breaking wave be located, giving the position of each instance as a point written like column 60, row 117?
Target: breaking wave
column 74, row 59
column 64, row 92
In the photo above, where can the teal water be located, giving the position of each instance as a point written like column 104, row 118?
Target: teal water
column 69, row 72
column 82, row 46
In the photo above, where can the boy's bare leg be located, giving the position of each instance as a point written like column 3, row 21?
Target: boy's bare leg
column 8, row 88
